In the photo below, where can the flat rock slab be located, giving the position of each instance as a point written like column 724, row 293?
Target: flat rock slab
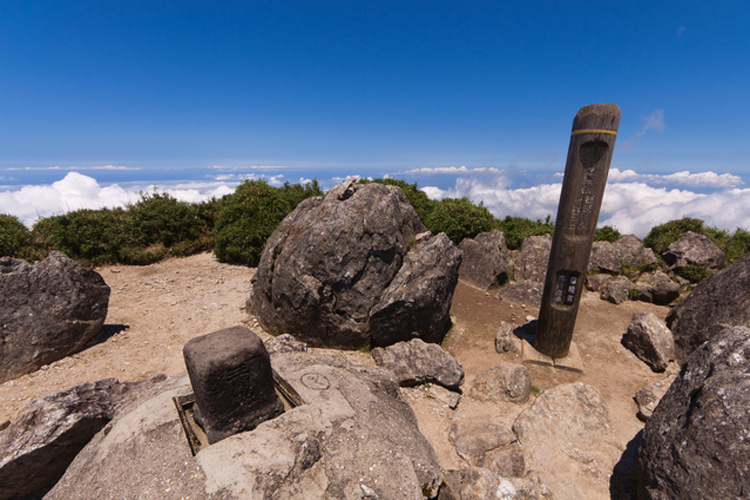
column 353, row 438
column 567, row 433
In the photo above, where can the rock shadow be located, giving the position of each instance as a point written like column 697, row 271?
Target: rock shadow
column 623, row 483
column 105, row 333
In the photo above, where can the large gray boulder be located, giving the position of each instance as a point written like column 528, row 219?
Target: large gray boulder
column 567, row 433
column 694, row 249
column 353, row 438
column 48, row 310
column 533, row 258
column 716, row 302
column 696, row 445
column 417, row 302
column 343, row 269
column 485, row 260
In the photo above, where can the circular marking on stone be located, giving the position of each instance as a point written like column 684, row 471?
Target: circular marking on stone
column 315, row 381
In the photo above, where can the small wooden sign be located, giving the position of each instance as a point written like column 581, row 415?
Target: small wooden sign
column 592, row 142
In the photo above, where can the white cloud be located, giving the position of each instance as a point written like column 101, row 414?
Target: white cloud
column 686, row 178
column 630, row 203
column 249, row 167
column 653, row 121
column 452, row 170
column 77, row 191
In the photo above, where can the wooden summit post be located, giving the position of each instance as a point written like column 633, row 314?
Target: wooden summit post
column 592, row 141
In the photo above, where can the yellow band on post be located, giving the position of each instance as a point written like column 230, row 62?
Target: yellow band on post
column 593, row 131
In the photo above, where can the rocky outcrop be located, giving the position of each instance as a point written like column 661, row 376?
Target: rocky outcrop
column 694, row 249
column 531, row 263
column 503, row 382
column 347, row 269
column 616, row 290
column 417, row 302
column 485, row 260
column 565, row 432
column 36, row 449
column 488, row 445
column 354, row 437
column 416, row 362
column 524, row 293
column 48, row 310
column 475, row 483
column 695, row 445
column 596, row 282
column 657, row 288
column 650, row 339
column 716, row 302
column 633, row 252
column 627, row 253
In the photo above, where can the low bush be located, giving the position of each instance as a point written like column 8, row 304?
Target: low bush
column 459, row 218
column 246, row 218
column 735, row 245
column 517, row 229
column 607, row 233
column 93, row 236
column 14, row 236
column 160, row 225
column 663, row 235
column 693, row 273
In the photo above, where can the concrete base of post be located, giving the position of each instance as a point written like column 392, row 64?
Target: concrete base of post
column 572, row 362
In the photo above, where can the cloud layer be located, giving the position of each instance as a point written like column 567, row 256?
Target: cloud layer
column 76, row 191
column 633, row 202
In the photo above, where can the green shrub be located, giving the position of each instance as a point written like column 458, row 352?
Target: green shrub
column 459, row 219
column 155, row 227
column 418, row 199
column 693, row 273
column 94, row 236
column 246, row 218
column 517, row 229
column 663, row 235
column 735, row 245
column 14, row 236
column 607, row 233
column 160, row 225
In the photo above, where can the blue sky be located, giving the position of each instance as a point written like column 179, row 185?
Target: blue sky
column 217, row 91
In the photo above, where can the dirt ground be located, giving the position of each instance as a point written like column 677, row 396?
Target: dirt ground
column 154, row 310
